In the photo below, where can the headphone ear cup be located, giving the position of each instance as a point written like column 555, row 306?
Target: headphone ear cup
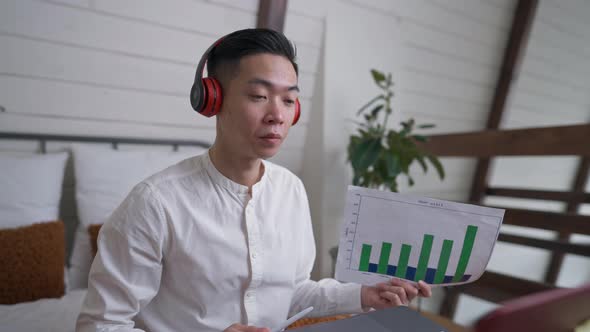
column 297, row 112
column 212, row 97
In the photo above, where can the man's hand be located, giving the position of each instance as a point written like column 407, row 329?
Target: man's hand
column 394, row 293
column 244, row 328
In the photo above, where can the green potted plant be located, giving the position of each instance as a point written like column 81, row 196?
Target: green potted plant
column 378, row 154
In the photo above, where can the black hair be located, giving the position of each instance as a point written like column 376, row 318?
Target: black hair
column 241, row 43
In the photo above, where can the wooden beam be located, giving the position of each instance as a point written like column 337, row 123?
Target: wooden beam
column 578, row 188
column 271, row 14
column 515, row 49
column 517, row 40
column 561, row 246
column 496, row 287
column 552, row 221
column 550, row 195
column 517, row 43
column 548, row 141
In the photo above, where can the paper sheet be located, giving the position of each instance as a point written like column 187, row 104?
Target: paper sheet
column 387, row 234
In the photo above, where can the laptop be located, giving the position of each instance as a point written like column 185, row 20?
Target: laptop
column 549, row 311
column 385, row 320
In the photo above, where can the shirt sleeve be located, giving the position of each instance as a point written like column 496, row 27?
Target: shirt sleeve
column 327, row 296
column 126, row 271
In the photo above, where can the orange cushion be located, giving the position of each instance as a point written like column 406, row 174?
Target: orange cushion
column 93, row 231
column 32, row 262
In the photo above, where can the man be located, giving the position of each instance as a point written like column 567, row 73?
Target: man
column 223, row 241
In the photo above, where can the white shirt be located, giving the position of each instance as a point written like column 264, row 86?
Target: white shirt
column 189, row 250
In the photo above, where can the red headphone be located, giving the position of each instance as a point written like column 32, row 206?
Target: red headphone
column 206, row 95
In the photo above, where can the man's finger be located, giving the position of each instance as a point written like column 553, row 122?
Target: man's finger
column 411, row 290
column 383, row 286
column 256, row 329
column 399, row 291
column 425, row 289
column 392, row 298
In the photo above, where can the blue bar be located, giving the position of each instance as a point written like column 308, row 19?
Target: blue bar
column 410, row 273
column 373, row 267
column 429, row 278
column 391, row 270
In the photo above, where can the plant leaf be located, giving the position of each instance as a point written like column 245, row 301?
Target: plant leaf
column 426, row 126
column 365, row 153
column 377, row 76
column 391, row 184
column 436, row 163
column 352, row 144
column 393, row 165
column 422, row 163
column 420, row 138
column 376, row 110
column 364, row 107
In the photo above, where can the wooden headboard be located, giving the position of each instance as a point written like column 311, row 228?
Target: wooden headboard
column 548, row 141
column 68, row 211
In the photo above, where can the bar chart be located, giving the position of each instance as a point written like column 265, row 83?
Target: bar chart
column 414, row 238
column 422, row 271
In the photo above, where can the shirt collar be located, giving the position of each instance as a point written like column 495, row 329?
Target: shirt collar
column 231, row 185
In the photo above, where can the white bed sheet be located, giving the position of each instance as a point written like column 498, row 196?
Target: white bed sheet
column 47, row 315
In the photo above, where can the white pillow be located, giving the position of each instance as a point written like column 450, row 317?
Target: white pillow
column 48, row 315
column 31, row 187
column 104, row 177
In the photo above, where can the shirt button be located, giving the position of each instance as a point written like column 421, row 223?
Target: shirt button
column 253, row 255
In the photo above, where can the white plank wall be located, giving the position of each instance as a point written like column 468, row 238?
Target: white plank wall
column 453, row 53
column 124, row 68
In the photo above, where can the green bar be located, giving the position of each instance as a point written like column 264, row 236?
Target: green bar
column 402, row 264
column 424, row 257
column 465, row 252
column 365, row 256
column 384, row 258
column 443, row 261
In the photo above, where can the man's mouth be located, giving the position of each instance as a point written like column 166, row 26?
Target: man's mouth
column 272, row 136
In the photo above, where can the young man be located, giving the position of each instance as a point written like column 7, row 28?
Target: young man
column 223, row 241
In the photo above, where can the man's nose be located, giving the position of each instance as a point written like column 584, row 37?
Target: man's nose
column 276, row 112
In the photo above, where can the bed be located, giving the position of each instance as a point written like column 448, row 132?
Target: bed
column 56, row 189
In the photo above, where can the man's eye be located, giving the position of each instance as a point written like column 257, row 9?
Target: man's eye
column 289, row 101
column 258, row 97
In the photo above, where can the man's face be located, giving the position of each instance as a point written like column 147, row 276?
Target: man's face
column 258, row 106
